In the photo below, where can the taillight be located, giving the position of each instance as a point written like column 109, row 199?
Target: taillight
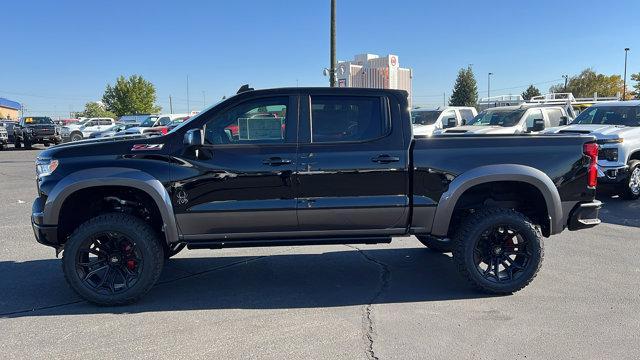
column 164, row 131
column 591, row 150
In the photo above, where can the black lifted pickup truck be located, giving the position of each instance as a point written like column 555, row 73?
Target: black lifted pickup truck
column 308, row 166
column 35, row 130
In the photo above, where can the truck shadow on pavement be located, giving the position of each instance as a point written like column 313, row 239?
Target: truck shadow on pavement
column 280, row 281
column 619, row 211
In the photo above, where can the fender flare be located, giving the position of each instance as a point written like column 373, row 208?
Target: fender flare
column 493, row 173
column 112, row 176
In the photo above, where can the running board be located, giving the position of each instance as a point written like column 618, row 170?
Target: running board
column 217, row 244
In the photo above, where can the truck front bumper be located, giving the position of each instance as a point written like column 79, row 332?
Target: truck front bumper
column 45, row 234
column 612, row 174
column 584, row 215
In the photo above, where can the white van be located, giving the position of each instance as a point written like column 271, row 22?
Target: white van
column 425, row 122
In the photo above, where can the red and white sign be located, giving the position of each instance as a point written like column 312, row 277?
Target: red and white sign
column 394, row 61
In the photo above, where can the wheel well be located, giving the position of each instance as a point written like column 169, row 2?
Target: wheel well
column 520, row 196
column 635, row 156
column 87, row 203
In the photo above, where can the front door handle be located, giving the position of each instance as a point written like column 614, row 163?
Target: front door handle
column 276, row 161
column 385, row 159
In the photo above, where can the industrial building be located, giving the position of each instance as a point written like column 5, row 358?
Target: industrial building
column 9, row 109
column 373, row 71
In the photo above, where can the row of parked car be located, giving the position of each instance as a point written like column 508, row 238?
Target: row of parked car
column 615, row 124
column 33, row 130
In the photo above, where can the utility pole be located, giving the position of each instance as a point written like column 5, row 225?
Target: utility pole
column 489, row 85
column 566, row 79
column 444, row 99
column 624, row 86
column 170, row 105
column 188, row 105
column 204, row 103
column 332, row 70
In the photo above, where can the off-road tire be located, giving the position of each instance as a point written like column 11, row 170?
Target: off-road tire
column 145, row 238
column 173, row 250
column 434, row 244
column 625, row 189
column 17, row 144
column 470, row 233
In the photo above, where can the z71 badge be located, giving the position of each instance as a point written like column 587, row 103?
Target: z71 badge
column 146, row 147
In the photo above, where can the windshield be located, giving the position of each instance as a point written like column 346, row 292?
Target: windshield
column 38, row 120
column 425, row 117
column 504, row 118
column 610, row 115
column 149, row 122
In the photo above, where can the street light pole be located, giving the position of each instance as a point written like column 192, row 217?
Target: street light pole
column 624, row 83
column 332, row 69
column 566, row 79
column 489, row 85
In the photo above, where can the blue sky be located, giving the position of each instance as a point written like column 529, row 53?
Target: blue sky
column 60, row 54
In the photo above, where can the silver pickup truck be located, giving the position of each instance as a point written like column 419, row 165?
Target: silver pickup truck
column 616, row 126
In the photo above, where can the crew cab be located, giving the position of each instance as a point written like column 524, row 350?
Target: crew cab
column 425, row 122
column 616, row 126
column 519, row 119
column 84, row 128
column 326, row 166
column 35, row 130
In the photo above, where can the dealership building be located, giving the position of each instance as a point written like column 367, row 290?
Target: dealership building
column 9, row 109
column 373, row 71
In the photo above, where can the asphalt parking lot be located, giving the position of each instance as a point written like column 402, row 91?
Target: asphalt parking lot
column 396, row 301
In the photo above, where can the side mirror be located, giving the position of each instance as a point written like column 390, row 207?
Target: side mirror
column 564, row 120
column 194, row 137
column 538, row 125
column 451, row 122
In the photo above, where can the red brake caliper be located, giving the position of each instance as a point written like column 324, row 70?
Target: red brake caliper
column 131, row 264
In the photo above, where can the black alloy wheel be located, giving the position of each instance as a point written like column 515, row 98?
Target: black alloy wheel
column 499, row 251
column 113, row 259
column 109, row 262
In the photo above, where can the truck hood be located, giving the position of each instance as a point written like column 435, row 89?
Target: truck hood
column 598, row 130
column 477, row 130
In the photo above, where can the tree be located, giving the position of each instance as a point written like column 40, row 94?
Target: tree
column 134, row 95
column 95, row 109
column 636, row 87
column 465, row 90
column 531, row 92
column 588, row 82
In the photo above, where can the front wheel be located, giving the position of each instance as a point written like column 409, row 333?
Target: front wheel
column 499, row 251
column 17, row 144
column 631, row 188
column 112, row 259
column 76, row 137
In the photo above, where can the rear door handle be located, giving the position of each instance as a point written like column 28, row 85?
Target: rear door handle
column 276, row 161
column 385, row 159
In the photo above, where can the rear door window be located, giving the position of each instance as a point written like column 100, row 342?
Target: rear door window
column 466, row 114
column 347, row 118
column 533, row 114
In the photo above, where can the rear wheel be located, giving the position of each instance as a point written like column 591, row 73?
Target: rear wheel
column 499, row 251
column 631, row 188
column 112, row 259
column 17, row 144
column 434, row 244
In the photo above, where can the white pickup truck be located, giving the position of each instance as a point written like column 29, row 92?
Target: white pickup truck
column 84, row 128
column 616, row 126
column 425, row 122
column 520, row 119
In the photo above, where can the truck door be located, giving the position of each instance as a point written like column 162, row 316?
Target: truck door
column 240, row 181
column 352, row 165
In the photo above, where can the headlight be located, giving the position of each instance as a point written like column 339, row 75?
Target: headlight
column 46, row 167
column 609, row 154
